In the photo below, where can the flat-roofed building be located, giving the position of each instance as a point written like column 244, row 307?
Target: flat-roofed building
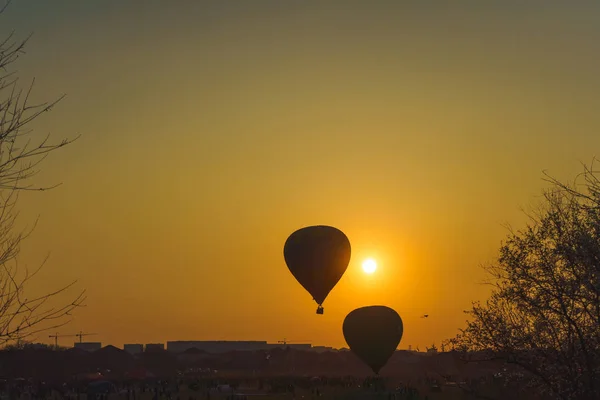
column 295, row 346
column 216, row 346
column 134, row 348
column 155, row 347
column 88, row 346
column 224, row 346
column 323, row 349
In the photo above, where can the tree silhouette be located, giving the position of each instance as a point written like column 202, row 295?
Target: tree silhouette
column 20, row 156
column 544, row 311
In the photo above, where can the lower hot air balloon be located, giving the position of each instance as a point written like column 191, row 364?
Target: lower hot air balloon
column 373, row 334
column 317, row 256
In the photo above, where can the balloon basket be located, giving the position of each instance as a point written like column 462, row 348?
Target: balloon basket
column 320, row 310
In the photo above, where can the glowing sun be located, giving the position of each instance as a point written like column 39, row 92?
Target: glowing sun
column 369, row 266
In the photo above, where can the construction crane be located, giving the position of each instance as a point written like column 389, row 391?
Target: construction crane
column 80, row 335
column 56, row 336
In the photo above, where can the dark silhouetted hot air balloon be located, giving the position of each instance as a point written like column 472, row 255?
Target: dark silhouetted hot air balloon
column 373, row 334
column 317, row 256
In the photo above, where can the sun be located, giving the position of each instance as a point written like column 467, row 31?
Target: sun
column 369, row 266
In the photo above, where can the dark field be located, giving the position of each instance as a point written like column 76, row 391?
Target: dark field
column 111, row 373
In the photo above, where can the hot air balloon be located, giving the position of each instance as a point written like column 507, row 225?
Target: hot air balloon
column 373, row 334
column 317, row 256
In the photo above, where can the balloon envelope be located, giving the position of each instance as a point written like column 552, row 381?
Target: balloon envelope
column 373, row 334
column 317, row 256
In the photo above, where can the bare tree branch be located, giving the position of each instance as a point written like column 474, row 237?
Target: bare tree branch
column 20, row 157
column 544, row 312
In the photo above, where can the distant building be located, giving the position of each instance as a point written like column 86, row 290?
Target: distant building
column 216, row 346
column 36, row 346
column 155, row 347
column 323, row 349
column 134, row 348
column 88, row 346
column 224, row 346
column 295, row 346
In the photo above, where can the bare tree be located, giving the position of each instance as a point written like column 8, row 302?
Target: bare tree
column 544, row 311
column 20, row 156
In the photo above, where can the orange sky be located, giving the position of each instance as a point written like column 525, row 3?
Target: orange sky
column 212, row 130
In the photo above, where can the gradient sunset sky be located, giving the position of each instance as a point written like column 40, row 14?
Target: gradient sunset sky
column 211, row 130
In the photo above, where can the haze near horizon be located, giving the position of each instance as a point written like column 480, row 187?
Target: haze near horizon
column 212, row 130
